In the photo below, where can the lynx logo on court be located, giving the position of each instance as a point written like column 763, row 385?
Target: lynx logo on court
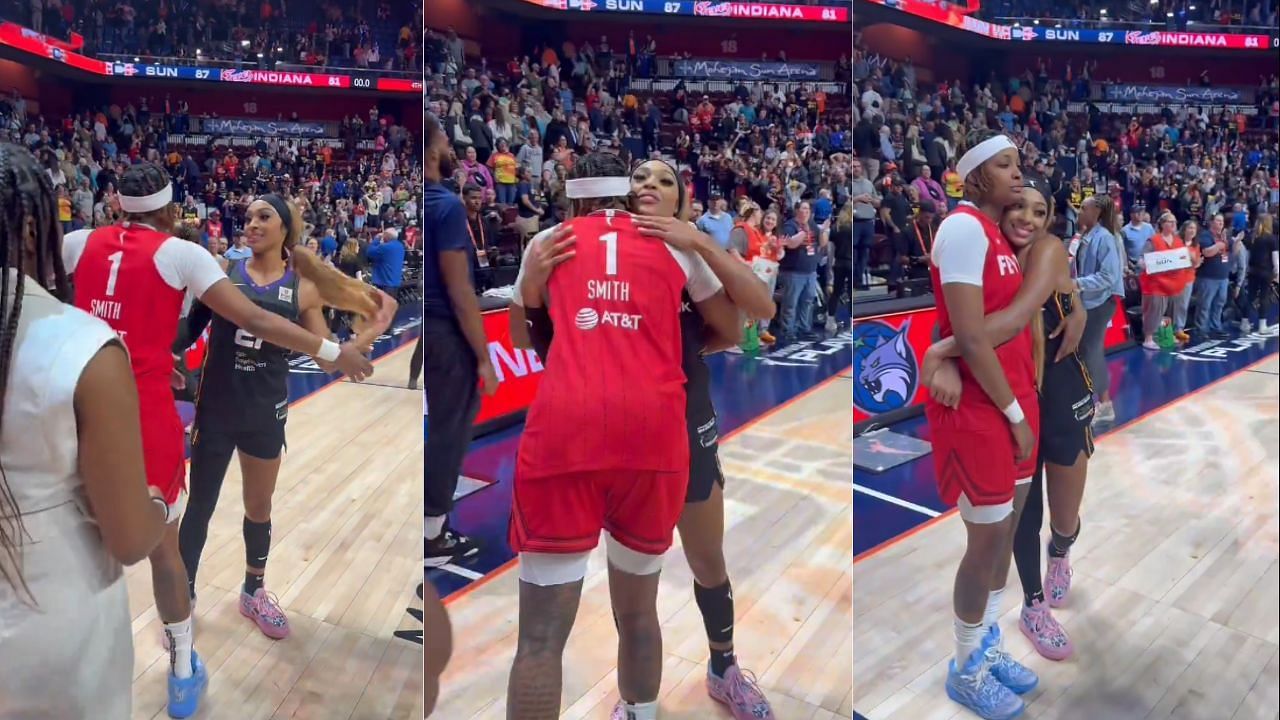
column 885, row 369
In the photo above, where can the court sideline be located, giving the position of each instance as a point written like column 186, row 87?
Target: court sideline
column 1173, row 608
column 345, row 561
column 787, row 537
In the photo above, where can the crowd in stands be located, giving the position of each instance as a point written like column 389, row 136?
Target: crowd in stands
column 518, row 125
column 367, row 34
column 1184, row 166
column 1138, row 14
column 358, row 204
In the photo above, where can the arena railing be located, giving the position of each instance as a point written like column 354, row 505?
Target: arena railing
column 717, row 86
column 1148, row 109
column 256, row 65
column 241, row 141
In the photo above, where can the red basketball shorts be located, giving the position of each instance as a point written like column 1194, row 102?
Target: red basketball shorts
column 564, row 514
column 162, row 443
column 974, row 452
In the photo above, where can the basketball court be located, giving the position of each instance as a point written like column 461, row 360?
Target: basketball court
column 785, row 449
column 346, row 558
column 1174, row 601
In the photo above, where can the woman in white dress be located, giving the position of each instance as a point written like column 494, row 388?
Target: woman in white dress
column 74, row 503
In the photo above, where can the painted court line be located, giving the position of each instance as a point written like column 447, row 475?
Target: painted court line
column 896, row 501
column 1106, row 434
column 1264, row 372
column 480, row 581
column 461, row 571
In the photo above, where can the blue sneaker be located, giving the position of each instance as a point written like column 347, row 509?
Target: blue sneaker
column 1011, row 673
column 184, row 693
column 981, row 693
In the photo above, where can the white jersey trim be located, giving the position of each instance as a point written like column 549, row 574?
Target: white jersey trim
column 960, row 250
column 183, row 265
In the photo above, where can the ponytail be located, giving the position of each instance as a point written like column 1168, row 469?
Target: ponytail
column 336, row 289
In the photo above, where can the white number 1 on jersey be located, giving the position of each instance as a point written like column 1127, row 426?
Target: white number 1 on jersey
column 115, row 259
column 610, row 241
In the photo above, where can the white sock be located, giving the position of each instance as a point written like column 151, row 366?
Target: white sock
column 180, row 642
column 641, row 711
column 968, row 639
column 433, row 526
column 992, row 614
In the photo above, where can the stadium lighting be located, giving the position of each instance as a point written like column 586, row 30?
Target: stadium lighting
column 244, row 43
column 1155, row 2
column 1057, row 26
column 1168, row 14
column 1036, row 21
column 137, row 60
column 1192, row 8
column 259, row 56
column 1103, row 12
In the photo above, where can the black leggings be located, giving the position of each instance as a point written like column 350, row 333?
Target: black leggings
column 210, row 456
column 1026, row 538
column 415, row 365
column 842, row 283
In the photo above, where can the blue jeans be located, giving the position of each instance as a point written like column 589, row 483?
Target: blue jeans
column 1211, row 297
column 799, row 291
column 506, row 194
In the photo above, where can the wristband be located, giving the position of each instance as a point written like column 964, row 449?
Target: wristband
column 329, row 351
column 163, row 506
column 1014, row 413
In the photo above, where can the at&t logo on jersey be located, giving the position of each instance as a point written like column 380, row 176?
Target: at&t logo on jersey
column 884, row 367
column 588, row 319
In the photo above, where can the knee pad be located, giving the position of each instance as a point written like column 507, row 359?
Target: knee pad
column 983, row 514
column 550, row 569
column 629, row 561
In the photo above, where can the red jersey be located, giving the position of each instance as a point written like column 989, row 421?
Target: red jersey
column 144, row 309
column 135, row 279
column 612, row 395
column 1001, row 279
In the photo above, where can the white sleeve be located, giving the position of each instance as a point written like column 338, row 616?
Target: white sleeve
column 72, row 248
column 539, row 238
column 699, row 280
column 187, row 266
column 960, row 250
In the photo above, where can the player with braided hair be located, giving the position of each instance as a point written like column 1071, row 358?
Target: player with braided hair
column 701, row 523
column 135, row 276
column 69, row 433
column 616, row 376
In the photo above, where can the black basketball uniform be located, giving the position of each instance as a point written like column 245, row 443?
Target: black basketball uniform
column 243, row 400
column 1066, row 393
column 700, row 414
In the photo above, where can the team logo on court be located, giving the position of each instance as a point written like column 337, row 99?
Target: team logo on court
column 587, row 319
column 885, row 369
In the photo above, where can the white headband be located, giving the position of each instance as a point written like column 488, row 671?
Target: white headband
column 981, row 153
column 584, row 188
column 147, row 203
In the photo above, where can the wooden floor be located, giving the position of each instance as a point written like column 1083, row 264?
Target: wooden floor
column 788, row 546
column 346, row 559
column 1174, row 609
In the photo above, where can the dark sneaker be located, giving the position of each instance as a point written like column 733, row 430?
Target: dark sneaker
column 447, row 548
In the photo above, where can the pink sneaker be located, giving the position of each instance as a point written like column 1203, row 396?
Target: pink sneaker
column 1044, row 632
column 1057, row 580
column 264, row 609
column 740, row 693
